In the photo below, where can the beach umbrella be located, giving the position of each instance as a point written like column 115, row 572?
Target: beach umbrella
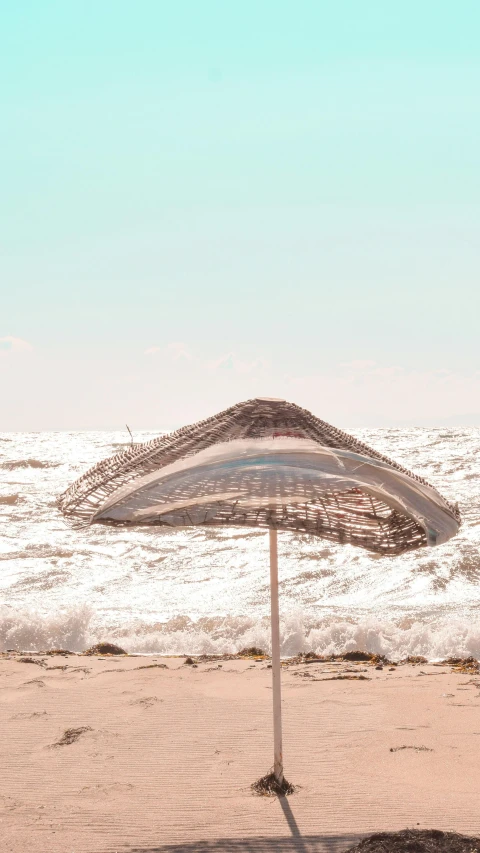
column 266, row 463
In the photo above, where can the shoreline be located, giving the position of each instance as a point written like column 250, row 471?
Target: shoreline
column 110, row 650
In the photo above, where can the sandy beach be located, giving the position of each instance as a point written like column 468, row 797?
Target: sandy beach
column 240, row 427
column 141, row 754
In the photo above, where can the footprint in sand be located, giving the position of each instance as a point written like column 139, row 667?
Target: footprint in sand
column 33, row 716
column 106, row 790
column 145, row 701
column 35, row 682
column 8, row 803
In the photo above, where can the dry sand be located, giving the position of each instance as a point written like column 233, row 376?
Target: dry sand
column 107, row 755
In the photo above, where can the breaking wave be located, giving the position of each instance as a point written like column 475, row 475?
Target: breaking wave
column 29, row 629
column 79, row 628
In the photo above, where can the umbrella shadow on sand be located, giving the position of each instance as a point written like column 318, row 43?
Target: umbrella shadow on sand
column 260, row 844
column 293, row 843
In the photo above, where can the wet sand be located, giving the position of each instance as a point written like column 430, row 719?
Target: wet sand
column 118, row 754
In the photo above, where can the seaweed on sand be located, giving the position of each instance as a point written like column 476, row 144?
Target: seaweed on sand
column 470, row 664
column 417, row 841
column 268, row 786
column 347, row 678
column 350, row 657
column 71, row 735
column 369, row 657
column 53, row 652
column 415, row 748
column 251, row 652
column 105, row 649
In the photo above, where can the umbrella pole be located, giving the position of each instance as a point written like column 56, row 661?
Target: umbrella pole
column 276, row 683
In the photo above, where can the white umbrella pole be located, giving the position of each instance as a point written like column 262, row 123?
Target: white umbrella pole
column 276, row 684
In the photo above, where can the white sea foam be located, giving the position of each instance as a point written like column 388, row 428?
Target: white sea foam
column 77, row 629
column 28, row 629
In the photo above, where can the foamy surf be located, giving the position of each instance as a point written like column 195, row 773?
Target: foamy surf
column 80, row 628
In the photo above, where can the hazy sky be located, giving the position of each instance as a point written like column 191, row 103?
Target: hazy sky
column 201, row 202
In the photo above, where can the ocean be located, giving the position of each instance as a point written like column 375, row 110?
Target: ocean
column 207, row 590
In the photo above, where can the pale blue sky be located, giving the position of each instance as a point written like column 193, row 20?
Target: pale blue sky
column 205, row 201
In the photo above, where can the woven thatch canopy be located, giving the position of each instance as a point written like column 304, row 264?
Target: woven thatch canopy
column 265, row 463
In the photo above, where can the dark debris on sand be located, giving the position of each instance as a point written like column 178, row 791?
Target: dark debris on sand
column 251, row 652
column 71, row 735
column 462, row 664
column 417, row 841
column 466, row 665
column 54, row 652
column 347, row 678
column 105, row 649
column 268, row 786
column 415, row 748
column 345, row 657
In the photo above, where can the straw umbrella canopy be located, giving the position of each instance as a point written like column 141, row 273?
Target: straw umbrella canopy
column 266, row 463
